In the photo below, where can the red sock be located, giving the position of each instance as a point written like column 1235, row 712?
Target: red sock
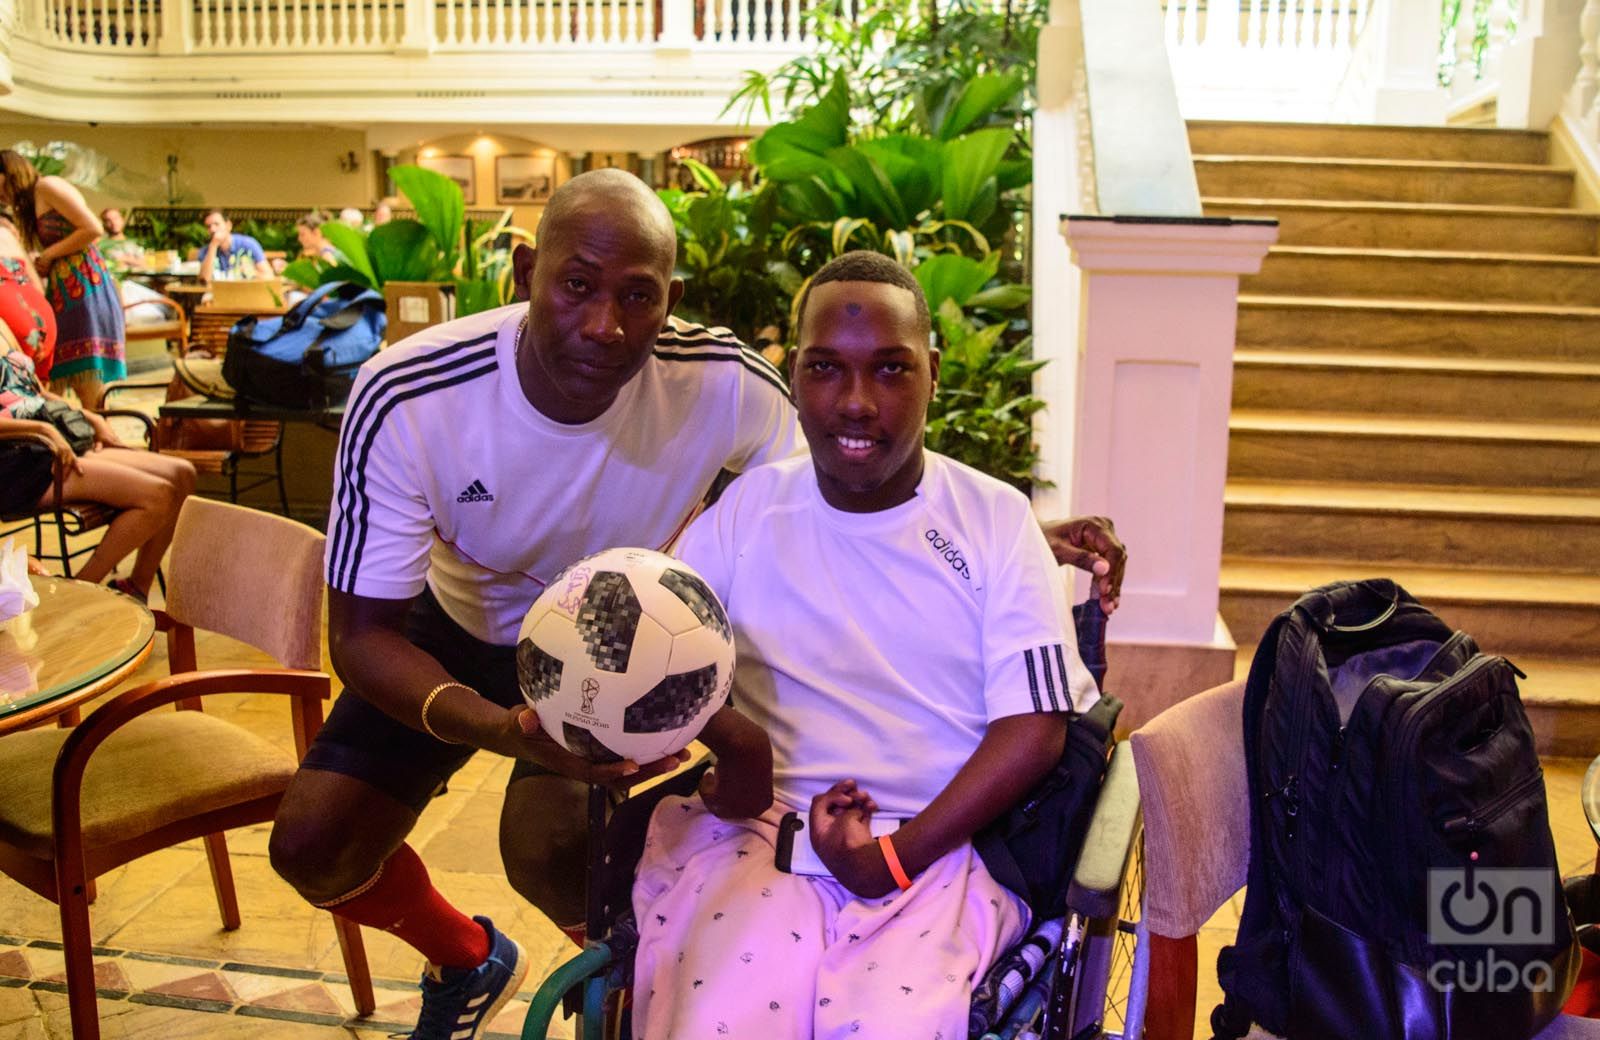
column 402, row 901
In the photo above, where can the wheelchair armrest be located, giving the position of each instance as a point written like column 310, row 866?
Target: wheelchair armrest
column 593, row 961
column 1097, row 881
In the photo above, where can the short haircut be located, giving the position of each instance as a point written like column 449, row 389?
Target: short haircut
column 313, row 220
column 862, row 265
column 618, row 189
column 214, row 209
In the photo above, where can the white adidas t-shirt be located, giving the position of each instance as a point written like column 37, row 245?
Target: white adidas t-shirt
column 879, row 645
column 447, row 474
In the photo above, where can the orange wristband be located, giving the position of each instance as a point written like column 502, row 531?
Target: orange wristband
column 890, row 857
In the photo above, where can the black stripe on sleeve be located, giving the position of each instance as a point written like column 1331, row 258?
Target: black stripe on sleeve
column 351, row 535
column 1049, row 677
column 1061, row 670
column 762, row 370
column 363, row 502
column 1033, row 680
column 359, row 414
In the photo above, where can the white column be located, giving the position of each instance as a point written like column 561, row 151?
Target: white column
column 177, row 27
column 1539, row 66
column 677, row 24
column 416, row 27
column 1060, row 140
column 1408, row 91
column 1222, row 24
column 1159, row 302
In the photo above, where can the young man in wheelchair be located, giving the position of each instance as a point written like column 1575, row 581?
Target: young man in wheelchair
column 900, row 624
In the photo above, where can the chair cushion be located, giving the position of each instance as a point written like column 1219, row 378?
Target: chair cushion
column 158, row 768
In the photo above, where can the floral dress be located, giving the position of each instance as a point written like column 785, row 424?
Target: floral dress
column 27, row 313
column 89, row 330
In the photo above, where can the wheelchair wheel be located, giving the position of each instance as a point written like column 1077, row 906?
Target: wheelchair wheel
column 1128, row 986
column 1106, row 971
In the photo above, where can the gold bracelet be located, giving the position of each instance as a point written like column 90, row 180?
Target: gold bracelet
column 427, row 702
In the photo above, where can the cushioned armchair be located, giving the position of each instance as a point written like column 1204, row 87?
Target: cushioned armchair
column 1196, row 801
column 131, row 779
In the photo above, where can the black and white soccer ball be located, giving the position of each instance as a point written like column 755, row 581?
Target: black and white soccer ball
column 627, row 654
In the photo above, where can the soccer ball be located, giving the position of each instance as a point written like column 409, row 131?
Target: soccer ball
column 626, row 654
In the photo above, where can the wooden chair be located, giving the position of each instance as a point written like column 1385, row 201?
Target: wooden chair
column 224, row 448
column 173, row 330
column 1196, row 802
column 130, row 780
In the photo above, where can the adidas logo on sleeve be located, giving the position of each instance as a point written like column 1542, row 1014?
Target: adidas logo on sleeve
column 475, row 492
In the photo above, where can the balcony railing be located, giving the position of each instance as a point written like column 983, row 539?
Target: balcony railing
column 1281, row 59
column 298, row 26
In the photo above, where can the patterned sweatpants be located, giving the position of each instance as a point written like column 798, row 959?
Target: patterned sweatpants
column 729, row 946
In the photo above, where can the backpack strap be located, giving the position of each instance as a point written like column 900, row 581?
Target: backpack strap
column 1232, row 1019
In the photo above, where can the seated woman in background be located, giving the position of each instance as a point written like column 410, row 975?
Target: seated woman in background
column 148, row 489
column 313, row 246
column 56, row 222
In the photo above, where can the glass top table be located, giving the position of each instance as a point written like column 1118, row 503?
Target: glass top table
column 80, row 641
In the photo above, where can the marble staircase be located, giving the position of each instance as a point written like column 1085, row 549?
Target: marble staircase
column 1417, row 389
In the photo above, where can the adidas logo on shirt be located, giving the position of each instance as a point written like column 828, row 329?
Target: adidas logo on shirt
column 475, row 492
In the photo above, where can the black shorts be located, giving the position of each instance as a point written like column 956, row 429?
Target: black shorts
column 406, row 764
column 27, row 469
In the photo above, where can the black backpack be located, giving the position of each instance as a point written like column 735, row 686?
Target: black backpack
column 308, row 357
column 1393, row 786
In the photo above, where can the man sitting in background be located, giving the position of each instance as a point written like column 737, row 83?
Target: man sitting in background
column 230, row 255
column 116, row 246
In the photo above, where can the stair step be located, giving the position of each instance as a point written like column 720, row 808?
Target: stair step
column 1420, row 328
column 1422, row 274
column 1562, row 699
column 1351, row 141
column 1277, row 445
column 1561, row 696
column 1467, row 388
column 1409, row 225
column 1447, row 527
column 1508, row 612
column 1509, row 184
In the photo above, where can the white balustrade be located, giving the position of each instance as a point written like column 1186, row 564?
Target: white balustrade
column 1482, row 30
column 1262, row 58
column 257, row 26
column 112, row 26
column 1583, row 99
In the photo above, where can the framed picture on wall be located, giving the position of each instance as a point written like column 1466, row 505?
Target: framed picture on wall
column 458, row 168
column 523, row 179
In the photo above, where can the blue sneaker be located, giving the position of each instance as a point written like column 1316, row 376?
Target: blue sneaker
column 459, row 1003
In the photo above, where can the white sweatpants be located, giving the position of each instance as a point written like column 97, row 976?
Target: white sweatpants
column 731, row 946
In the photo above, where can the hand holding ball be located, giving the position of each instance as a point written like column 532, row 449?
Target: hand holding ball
column 626, row 654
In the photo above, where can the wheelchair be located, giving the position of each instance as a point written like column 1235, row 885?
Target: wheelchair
column 1078, row 977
